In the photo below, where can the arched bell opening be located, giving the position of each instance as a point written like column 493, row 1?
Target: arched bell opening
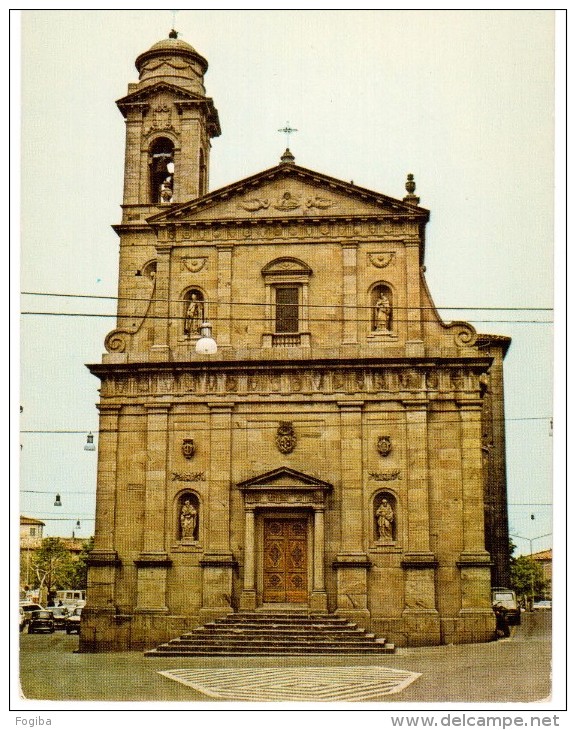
column 161, row 161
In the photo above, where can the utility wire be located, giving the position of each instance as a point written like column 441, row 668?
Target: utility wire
column 253, row 320
column 391, row 422
column 263, row 304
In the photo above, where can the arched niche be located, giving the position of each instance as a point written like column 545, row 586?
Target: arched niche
column 161, row 163
column 149, row 270
column 193, row 312
column 385, row 517
column 382, row 308
column 187, row 514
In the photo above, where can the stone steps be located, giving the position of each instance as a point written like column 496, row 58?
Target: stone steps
column 275, row 632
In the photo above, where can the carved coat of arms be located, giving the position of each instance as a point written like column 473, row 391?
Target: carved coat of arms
column 188, row 448
column 285, row 438
column 384, row 445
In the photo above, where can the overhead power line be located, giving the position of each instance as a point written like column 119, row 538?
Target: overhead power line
column 325, row 426
column 263, row 304
column 267, row 319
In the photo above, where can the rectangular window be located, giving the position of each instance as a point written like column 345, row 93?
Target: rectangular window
column 287, row 309
column 32, row 532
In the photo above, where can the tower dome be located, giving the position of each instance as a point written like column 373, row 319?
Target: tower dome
column 175, row 61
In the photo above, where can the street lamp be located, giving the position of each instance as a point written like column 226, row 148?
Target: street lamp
column 206, row 345
column 531, row 540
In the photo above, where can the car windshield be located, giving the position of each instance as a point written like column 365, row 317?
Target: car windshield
column 503, row 596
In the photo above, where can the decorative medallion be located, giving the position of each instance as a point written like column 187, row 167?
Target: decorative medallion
column 193, row 264
column 188, row 448
column 285, row 438
column 384, row 445
column 288, row 202
column 381, row 260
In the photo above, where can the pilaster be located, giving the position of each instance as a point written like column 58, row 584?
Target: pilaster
column 420, row 614
column 248, row 597
column 352, row 563
column 218, row 563
column 153, row 561
column 349, row 293
column 223, row 315
column 160, row 351
column 413, row 295
column 474, row 561
column 318, row 599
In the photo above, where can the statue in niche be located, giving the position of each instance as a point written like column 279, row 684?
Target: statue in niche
column 383, row 312
column 194, row 315
column 385, row 520
column 188, row 520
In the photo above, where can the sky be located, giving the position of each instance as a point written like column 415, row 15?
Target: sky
column 464, row 100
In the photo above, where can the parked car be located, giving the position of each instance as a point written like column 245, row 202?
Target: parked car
column 60, row 613
column 23, row 619
column 41, row 621
column 542, row 605
column 72, row 622
column 506, row 598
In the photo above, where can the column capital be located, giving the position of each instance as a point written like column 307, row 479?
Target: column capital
column 469, row 404
column 158, row 408
column 223, row 408
column 353, row 406
column 109, row 409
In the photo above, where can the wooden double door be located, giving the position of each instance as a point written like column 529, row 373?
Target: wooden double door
column 285, row 560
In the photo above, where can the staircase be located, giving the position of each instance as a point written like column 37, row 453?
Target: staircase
column 275, row 632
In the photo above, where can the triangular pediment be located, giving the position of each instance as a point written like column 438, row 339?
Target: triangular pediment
column 284, row 478
column 288, row 191
column 145, row 93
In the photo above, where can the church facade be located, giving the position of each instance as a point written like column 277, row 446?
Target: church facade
column 342, row 451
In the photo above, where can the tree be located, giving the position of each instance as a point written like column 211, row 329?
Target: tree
column 527, row 577
column 81, row 565
column 53, row 566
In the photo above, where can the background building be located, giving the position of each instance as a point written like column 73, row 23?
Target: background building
column 342, row 451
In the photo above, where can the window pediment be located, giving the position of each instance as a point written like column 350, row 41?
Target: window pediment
column 284, row 479
column 286, row 267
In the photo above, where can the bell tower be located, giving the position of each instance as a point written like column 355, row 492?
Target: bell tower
column 169, row 124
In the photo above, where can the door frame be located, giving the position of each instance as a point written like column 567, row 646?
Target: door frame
column 286, row 514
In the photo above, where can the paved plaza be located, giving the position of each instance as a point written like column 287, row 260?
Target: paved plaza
column 490, row 673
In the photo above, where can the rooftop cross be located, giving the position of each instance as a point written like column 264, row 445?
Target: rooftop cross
column 287, row 130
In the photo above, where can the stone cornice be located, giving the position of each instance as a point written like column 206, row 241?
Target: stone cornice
column 392, row 206
column 476, row 364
